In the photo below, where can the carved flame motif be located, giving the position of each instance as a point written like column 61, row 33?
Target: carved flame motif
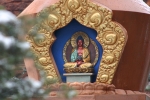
column 109, row 59
column 95, row 19
column 53, row 20
column 110, row 39
column 73, row 5
column 104, row 78
column 112, row 36
column 43, row 61
column 39, row 40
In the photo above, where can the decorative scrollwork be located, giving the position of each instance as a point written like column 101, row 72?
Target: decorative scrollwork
column 111, row 35
column 95, row 19
column 110, row 39
column 53, row 20
column 43, row 61
column 79, row 70
column 73, row 5
column 109, row 59
column 39, row 41
column 104, row 78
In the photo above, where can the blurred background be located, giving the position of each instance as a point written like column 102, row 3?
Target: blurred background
column 17, row 6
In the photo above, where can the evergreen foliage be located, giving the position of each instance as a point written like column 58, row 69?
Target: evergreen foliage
column 13, row 50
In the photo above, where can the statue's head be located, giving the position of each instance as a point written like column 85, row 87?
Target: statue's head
column 80, row 41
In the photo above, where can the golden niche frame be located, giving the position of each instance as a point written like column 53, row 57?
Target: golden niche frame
column 111, row 35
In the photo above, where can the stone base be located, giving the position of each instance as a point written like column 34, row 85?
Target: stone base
column 106, row 97
column 96, row 91
column 78, row 77
column 93, row 91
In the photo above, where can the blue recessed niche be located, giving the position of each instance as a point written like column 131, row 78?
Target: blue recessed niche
column 63, row 35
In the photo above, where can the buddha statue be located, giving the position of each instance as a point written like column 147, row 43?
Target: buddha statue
column 80, row 58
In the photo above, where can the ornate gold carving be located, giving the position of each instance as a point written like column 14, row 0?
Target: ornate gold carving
column 104, row 78
column 73, row 5
column 53, row 20
column 109, row 59
column 110, row 39
column 79, row 70
column 95, row 19
column 111, row 35
column 43, row 61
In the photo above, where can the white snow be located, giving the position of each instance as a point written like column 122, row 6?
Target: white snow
column 23, row 45
column 7, row 41
column 6, row 16
column 9, row 84
column 34, row 83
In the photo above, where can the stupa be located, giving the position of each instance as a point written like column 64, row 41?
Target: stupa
column 123, row 51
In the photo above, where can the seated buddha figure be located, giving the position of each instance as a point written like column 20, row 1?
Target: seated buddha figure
column 80, row 56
